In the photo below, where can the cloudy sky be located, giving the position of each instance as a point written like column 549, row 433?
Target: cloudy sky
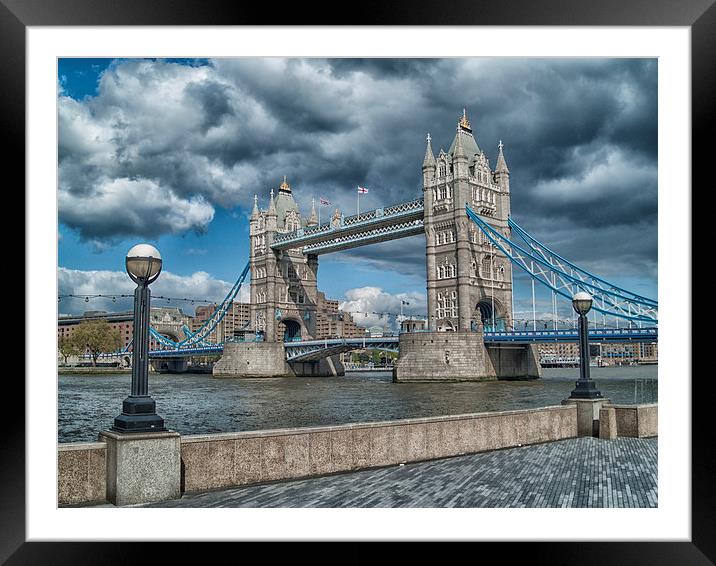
column 172, row 152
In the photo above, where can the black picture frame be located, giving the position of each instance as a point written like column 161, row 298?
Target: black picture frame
column 699, row 15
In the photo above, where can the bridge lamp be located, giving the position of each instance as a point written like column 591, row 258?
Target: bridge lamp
column 585, row 388
column 144, row 263
column 582, row 303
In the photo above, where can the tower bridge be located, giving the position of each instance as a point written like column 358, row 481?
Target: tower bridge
column 471, row 247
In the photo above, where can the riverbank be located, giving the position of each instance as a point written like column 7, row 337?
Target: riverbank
column 92, row 371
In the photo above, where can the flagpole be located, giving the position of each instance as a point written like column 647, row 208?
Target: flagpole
column 319, row 212
column 358, row 203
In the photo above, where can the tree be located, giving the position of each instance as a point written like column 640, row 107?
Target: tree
column 68, row 347
column 96, row 337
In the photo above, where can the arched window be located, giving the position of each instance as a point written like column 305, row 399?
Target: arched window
column 443, row 169
column 486, row 268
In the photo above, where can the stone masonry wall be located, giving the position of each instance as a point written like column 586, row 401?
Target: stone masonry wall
column 639, row 421
column 252, row 359
column 268, row 359
column 223, row 460
column 461, row 356
column 81, row 473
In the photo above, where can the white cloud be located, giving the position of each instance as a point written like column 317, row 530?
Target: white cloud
column 199, row 285
column 367, row 304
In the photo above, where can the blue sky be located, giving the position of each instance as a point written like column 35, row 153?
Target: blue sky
column 199, row 138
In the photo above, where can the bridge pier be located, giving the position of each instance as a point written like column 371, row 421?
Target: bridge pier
column 268, row 359
column 461, row 356
column 170, row 365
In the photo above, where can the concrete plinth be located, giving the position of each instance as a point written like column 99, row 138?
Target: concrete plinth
column 607, row 423
column 587, row 414
column 142, row 467
column 268, row 359
column 461, row 356
column 252, row 359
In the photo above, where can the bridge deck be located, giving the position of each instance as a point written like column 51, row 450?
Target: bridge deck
column 311, row 350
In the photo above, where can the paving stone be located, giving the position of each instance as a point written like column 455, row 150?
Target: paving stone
column 579, row 472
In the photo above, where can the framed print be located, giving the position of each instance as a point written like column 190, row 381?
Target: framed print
column 653, row 58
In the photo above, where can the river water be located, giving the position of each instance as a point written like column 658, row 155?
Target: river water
column 200, row 404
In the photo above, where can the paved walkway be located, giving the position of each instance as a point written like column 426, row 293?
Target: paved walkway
column 580, row 472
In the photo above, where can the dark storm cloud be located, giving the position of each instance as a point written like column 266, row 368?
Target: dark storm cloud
column 580, row 140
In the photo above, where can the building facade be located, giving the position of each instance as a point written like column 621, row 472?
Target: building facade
column 236, row 319
column 469, row 281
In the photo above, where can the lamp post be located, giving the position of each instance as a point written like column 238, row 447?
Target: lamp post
column 585, row 388
column 143, row 264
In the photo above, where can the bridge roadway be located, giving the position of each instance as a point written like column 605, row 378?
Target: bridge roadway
column 309, row 350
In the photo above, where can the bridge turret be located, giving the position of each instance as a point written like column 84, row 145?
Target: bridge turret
column 313, row 219
column 502, row 178
column 502, row 173
column 459, row 158
column 254, row 222
column 271, row 215
column 429, row 165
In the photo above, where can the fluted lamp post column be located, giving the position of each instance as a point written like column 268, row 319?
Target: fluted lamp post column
column 144, row 263
column 585, row 388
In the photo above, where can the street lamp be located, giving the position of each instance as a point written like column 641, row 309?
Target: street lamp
column 585, row 388
column 144, row 264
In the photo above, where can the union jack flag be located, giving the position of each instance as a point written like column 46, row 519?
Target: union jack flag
column 362, row 190
column 324, row 201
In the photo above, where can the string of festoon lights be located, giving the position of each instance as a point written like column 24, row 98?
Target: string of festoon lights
column 115, row 296
column 517, row 324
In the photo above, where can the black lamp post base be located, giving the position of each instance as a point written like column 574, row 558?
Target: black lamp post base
column 585, row 389
column 138, row 415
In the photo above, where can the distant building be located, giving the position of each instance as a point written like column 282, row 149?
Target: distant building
column 237, row 317
column 375, row 331
column 121, row 321
column 169, row 322
column 331, row 322
column 608, row 353
column 166, row 320
column 413, row 325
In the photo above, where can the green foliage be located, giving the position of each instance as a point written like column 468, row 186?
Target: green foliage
column 68, row 347
column 96, row 337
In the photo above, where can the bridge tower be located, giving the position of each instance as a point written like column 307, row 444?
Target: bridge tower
column 469, row 281
column 283, row 283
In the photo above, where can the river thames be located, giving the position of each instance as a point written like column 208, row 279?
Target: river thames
column 200, row 404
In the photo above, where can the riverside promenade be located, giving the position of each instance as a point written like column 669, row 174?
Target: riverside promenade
column 577, row 472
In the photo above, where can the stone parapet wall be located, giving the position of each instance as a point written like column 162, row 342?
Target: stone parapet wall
column 224, row 460
column 81, row 473
column 640, row 421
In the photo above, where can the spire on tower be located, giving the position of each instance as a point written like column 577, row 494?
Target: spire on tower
column 429, row 160
column 272, row 205
column 313, row 219
column 463, row 122
column 255, row 211
column 459, row 150
column 284, row 187
column 501, row 166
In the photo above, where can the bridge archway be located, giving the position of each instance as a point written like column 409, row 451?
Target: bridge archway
column 445, row 325
column 291, row 330
column 492, row 319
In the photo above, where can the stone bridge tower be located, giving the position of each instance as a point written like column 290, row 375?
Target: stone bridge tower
column 283, row 283
column 469, row 281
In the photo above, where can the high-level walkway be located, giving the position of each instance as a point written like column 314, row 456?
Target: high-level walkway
column 579, row 472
